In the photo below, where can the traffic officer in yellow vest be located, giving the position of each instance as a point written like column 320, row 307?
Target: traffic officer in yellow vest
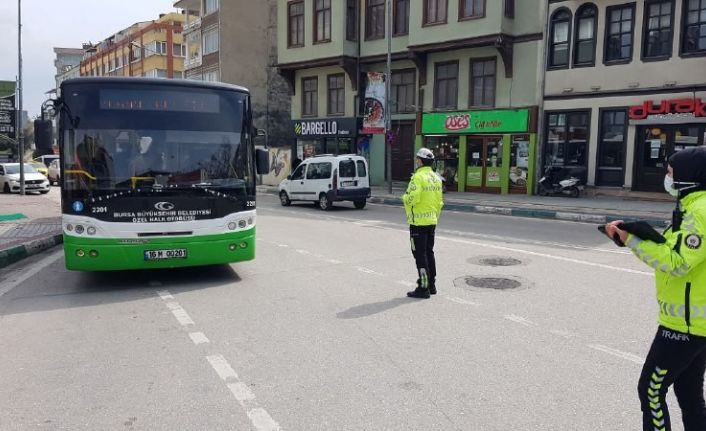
column 422, row 204
column 678, row 352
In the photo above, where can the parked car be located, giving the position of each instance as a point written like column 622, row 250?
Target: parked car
column 39, row 166
column 47, row 159
column 54, row 173
column 10, row 179
column 326, row 179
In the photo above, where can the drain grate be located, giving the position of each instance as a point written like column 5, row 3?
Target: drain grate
column 496, row 283
column 499, row 261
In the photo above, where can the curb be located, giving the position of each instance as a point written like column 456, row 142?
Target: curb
column 518, row 212
column 19, row 252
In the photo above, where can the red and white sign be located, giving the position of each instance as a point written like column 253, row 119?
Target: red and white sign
column 691, row 107
column 457, row 122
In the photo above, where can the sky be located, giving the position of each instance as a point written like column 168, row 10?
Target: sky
column 65, row 24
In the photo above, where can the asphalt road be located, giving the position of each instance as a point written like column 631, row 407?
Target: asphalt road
column 317, row 334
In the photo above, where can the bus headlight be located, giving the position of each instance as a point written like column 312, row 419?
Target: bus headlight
column 91, row 230
column 232, row 225
column 250, row 221
column 242, row 224
column 79, row 229
column 69, row 227
column 80, row 253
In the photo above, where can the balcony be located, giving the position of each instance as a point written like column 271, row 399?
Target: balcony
column 190, row 63
column 191, row 25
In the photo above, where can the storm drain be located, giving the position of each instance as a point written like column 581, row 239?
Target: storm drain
column 499, row 261
column 497, row 283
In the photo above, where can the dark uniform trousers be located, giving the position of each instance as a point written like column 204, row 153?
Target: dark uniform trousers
column 422, row 241
column 679, row 359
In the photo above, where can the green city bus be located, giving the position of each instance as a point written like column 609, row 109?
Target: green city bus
column 156, row 173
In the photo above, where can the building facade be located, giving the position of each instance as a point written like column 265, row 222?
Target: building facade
column 465, row 83
column 624, row 89
column 151, row 49
column 235, row 42
column 67, row 62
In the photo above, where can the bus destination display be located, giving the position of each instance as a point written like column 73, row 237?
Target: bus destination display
column 165, row 101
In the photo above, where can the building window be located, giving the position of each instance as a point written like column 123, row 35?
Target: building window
column 510, row 9
column 322, row 20
column 657, row 40
column 375, row 19
column 567, row 142
column 611, row 148
column 402, row 89
column 471, row 9
column 559, row 41
column 135, row 53
column 352, row 20
column 210, row 41
column 211, row 76
column 310, row 96
column 483, row 83
column 446, row 85
column 179, row 50
column 619, row 33
column 585, row 39
column 401, row 12
column 210, row 6
column 336, row 94
column 296, row 24
column 434, row 12
column 156, row 73
column 694, row 33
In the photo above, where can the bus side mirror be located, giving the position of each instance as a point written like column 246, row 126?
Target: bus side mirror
column 262, row 159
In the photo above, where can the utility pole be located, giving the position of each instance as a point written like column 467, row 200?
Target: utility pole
column 20, row 129
column 388, row 79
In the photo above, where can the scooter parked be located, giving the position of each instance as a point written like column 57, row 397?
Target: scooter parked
column 550, row 184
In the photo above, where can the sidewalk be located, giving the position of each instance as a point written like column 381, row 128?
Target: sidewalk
column 28, row 225
column 598, row 210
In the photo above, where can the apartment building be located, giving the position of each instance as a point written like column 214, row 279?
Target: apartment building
column 625, row 88
column 152, row 49
column 465, row 83
column 66, row 62
column 234, row 41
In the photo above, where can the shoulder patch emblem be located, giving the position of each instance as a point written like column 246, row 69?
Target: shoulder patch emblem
column 693, row 241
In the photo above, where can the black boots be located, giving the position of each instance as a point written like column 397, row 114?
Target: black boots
column 432, row 287
column 419, row 293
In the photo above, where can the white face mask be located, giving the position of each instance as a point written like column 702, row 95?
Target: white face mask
column 669, row 186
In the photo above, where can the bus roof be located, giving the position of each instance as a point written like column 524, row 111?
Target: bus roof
column 154, row 81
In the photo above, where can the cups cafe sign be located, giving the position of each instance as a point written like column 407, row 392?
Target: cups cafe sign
column 674, row 109
column 495, row 121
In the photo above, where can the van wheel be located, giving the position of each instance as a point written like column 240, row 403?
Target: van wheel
column 284, row 199
column 359, row 204
column 6, row 189
column 324, row 202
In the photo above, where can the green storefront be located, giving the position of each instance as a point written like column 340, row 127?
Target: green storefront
column 491, row 151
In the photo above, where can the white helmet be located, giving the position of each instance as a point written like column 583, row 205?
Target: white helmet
column 425, row 153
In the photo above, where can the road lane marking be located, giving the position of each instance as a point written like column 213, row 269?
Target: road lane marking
column 222, row 367
column 617, row 353
column 334, row 261
column 241, row 391
column 406, row 283
column 300, row 251
column 164, row 294
column 36, row 267
column 198, row 338
column 262, row 420
column 368, row 271
column 563, row 333
column 181, row 315
column 461, row 301
column 519, row 319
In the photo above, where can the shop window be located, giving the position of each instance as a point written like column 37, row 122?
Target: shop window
column 567, row 142
column 559, row 40
column 435, row 11
column 401, row 12
column 519, row 162
column 619, row 33
column 296, row 24
column 611, row 148
column 446, row 85
column 322, row 21
column 472, row 9
column 310, row 97
column 375, row 19
column 402, row 91
column 657, row 39
column 686, row 136
column 694, row 32
column 445, row 150
column 585, row 38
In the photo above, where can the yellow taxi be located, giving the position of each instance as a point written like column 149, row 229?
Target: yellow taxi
column 41, row 167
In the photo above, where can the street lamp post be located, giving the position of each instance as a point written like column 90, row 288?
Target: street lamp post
column 388, row 79
column 20, row 130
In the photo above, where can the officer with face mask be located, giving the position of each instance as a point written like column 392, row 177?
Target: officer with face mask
column 422, row 203
column 678, row 353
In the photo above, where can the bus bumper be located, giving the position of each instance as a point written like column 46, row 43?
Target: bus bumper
column 87, row 254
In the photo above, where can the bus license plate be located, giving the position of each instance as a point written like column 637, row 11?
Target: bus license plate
column 179, row 253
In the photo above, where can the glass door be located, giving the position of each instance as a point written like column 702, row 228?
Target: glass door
column 484, row 164
column 651, row 165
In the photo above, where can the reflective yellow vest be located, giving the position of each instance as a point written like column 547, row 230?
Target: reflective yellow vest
column 680, row 269
column 423, row 200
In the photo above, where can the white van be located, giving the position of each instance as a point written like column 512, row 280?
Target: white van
column 326, row 179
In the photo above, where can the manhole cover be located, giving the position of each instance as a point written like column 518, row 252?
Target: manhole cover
column 497, row 283
column 499, row 261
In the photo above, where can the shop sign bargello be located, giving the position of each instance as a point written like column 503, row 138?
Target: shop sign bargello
column 318, row 128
